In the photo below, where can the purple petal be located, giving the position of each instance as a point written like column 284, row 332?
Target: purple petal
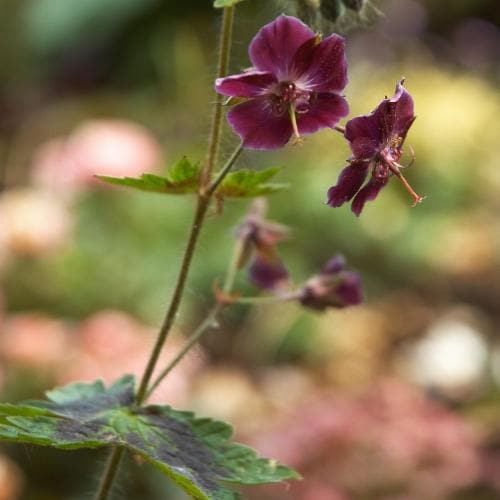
column 334, row 265
column 349, row 290
column 257, row 125
column 274, row 46
column 348, row 184
column 249, row 84
column 267, row 272
column 325, row 111
column 365, row 135
column 323, row 67
column 368, row 193
column 403, row 112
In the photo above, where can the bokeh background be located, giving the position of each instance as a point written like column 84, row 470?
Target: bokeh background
column 398, row 399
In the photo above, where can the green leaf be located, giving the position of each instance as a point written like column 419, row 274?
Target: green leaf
column 220, row 4
column 194, row 452
column 246, row 183
column 182, row 178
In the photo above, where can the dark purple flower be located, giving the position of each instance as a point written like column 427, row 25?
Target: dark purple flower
column 294, row 86
column 259, row 238
column 333, row 287
column 376, row 142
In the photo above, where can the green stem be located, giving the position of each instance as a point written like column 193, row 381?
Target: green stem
column 199, row 218
column 201, row 210
column 222, row 69
column 208, row 323
column 224, row 171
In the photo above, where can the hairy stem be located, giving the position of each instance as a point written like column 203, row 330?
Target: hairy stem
column 222, row 69
column 203, row 202
column 208, row 323
column 199, row 218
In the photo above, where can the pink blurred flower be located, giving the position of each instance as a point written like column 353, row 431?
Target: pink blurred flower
column 33, row 339
column 32, row 222
column 111, row 343
column 10, row 480
column 110, row 147
column 392, row 435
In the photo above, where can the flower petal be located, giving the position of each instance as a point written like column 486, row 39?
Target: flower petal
column 249, row 84
column 348, row 184
column 322, row 67
column 365, row 135
column 257, row 125
column 368, row 193
column 275, row 45
column 403, row 112
column 325, row 111
column 349, row 290
column 335, row 265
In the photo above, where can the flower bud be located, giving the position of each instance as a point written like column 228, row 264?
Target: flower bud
column 331, row 9
column 259, row 238
column 333, row 287
column 268, row 272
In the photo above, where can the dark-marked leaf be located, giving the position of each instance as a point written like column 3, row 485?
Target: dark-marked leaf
column 220, row 4
column 194, row 452
column 247, row 183
column 182, row 178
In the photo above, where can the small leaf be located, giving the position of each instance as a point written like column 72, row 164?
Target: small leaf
column 220, row 4
column 193, row 452
column 250, row 183
column 182, row 178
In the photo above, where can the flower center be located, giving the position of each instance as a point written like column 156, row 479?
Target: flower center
column 287, row 93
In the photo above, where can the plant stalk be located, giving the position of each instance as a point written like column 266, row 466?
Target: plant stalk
column 208, row 323
column 203, row 203
column 222, row 70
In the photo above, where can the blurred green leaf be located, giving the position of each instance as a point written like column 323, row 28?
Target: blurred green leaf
column 182, row 178
column 247, row 183
column 220, row 4
column 53, row 25
column 193, row 452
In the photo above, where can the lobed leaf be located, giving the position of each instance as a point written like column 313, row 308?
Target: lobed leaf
column 247, row 183
column 182, row 178
column 194, row 452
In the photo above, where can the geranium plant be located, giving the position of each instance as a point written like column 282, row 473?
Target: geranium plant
column 294, row 87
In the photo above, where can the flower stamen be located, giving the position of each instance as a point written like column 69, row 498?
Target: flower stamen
column 293, row 118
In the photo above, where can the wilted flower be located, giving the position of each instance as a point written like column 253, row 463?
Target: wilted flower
column 259, row 238
column 376, row 141
column 294, row 86
column 332, row 287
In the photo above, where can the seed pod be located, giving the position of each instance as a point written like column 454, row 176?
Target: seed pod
column 356, row 5
column 331, row 9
